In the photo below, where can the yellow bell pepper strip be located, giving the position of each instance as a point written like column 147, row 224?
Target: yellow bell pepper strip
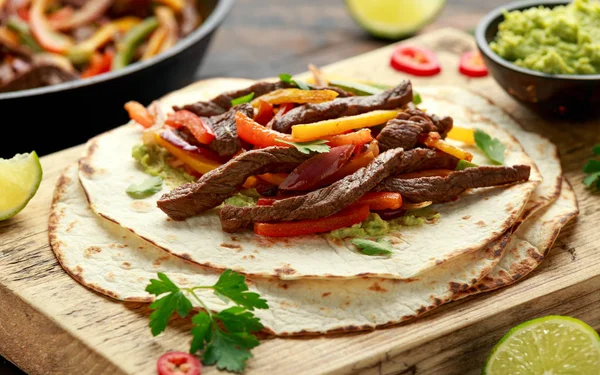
column 156, row 40
column 21, row 27
column 49, row 39
column 282, row 96
column 258, row 135
column 176, row 5
column 197, row 162
column 273, row 178
column 124, row 24
column 166, row 19
column 318, row 130
column 88, row 13
column 135, row 36
column 139, row 114
column 83, row 51
column 9, row 38
column 434, row 140
column 467, row 136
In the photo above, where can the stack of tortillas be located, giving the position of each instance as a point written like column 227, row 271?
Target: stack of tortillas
column 486, row 240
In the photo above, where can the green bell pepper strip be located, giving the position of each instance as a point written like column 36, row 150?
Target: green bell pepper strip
column 356, row 88
column 22, row 28
column 131, row 41
column 463, row 164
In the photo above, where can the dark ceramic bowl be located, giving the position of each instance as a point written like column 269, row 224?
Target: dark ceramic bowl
column 52, row 118
column 548, row 93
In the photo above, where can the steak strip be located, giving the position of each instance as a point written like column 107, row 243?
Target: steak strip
column 328, row 200
column 390, row 99
column 443, row 189
column 223, row 182
column 404, row 130
column 222, row 102
column 226, row 142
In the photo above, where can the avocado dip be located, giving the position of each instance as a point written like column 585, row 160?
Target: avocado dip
column 559, row 40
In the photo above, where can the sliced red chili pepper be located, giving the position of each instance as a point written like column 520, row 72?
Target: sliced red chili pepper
column 472, row 65
column 415, row 60
column 314, row 170
column 265, row 112
column 349, row 216
column 178, row 363
column 202, row 132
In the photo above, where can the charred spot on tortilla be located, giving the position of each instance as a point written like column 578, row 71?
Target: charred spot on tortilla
column 91, row 251
column 326, row 294
column 231, row 246
column 377, row 288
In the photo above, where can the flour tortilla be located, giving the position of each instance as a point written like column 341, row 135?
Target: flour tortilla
column 468, row 107
column 111, row 260
column 477, row 218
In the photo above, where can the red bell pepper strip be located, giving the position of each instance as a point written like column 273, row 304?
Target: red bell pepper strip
column 471, row 64
column 357, row 138
column 49, row 39
column 415, row 60
column 202, row 132
column 23, row 13
column 349, row 216
column 381, row 200
column 139, row 114
column 313, row 171
column 265, row 112
column 283, row 109
column 258, row 135
column 99, row 63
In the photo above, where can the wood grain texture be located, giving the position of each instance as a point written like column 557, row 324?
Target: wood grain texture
column 69, row 321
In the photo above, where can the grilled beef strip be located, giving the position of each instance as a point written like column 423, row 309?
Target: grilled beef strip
column 226, row 142
column 223, row 182
column 222, row 103
column 404, row 130
column 443, row 189
column 318, row 203
column 38, row 76
column 308, row 113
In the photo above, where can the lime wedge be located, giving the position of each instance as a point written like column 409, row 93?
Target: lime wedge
column 20, row 178
column 393, row 19
column 552, row 345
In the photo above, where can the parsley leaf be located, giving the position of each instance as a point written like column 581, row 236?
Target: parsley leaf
column 242, row 99
column 318, row 146
column 148, row 187
column 592, row 167
column 368, row 247
column 287, row 78
column 417, row 98
column 228, row 347
column 492, row 147
column 591, row 180
column 596, row 149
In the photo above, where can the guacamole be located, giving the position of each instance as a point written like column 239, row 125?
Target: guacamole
column 561, row 40
column 152, row 159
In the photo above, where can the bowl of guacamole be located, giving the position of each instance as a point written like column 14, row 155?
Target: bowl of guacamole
column 545, row 53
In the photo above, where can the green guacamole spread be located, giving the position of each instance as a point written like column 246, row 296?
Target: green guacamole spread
column 561, row 40
column 375, row 226
column 152, row 159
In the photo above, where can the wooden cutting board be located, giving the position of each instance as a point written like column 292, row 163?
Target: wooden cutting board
column 49, row 324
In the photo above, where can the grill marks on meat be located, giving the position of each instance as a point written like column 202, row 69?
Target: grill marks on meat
column 223, row 182
column 222, row 103
column 404, row 130
column 339, row 107
column 319, row 203
column 226, row 142
column 443, row 189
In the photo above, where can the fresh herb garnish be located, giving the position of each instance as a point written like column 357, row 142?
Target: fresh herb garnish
column 592, row 167
column 417, row 98
column 369, row 247
column 228, row 347
column 148, row 187
column 242, row 99
column 318, row 146
column 463, row 164
column 287, row 78
column 492, row 147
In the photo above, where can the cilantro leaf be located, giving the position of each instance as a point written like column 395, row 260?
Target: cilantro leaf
column 242, row 99
column 229, row 351
column 492, row 147
column 417, row 98
column 232, row 286
column 201, row 332
column 463, row 164
column 596, row 149
column 592, row 166
column 287, row 78
column 165, row 307
column 148, row 187
column 368, row 247
column 318, row 146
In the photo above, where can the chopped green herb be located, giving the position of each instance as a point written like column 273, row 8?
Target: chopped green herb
column 356, row 88
column 491, row 147
column 463, row 164
column 369, row 247
column 285, row 77
column 592, row 167
column 242, row 99
column 228, row 347
column 318, row 146
column 596, row 149
column 148, row 187
column 417, row 98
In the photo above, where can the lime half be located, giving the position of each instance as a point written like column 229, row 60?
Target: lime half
column 393, row 19
column 552, row 345
column 20, row 178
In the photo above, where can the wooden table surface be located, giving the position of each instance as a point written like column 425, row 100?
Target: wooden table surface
column 262, row 38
